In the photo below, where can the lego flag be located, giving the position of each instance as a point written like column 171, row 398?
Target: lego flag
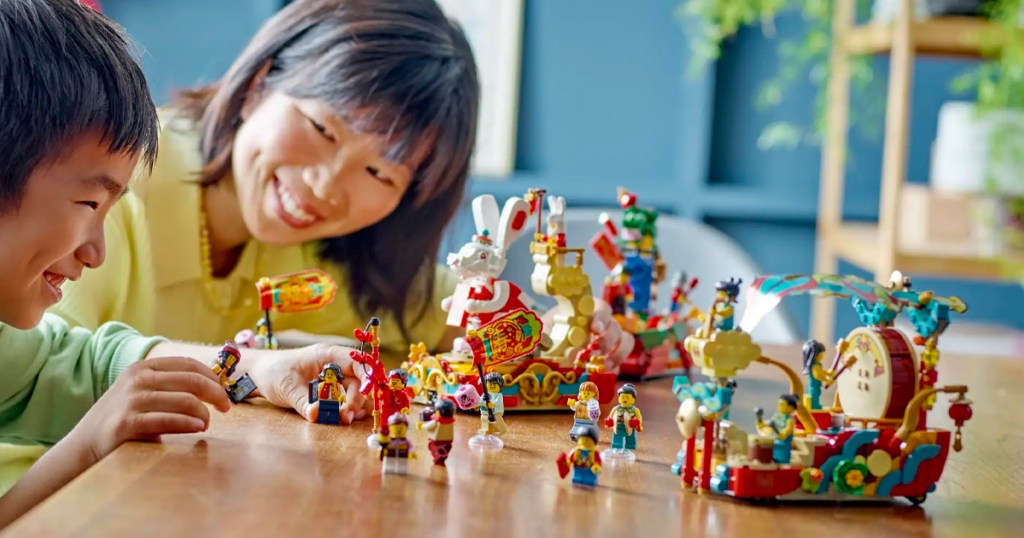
column 605, row 243
column 509, row 337
column 297, row 292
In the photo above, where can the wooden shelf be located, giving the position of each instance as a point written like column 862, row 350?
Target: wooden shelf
column 940, row 36
column 857, row 242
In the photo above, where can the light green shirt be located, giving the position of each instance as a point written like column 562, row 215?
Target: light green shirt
column 51, row 375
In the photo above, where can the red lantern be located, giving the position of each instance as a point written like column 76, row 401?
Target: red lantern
column 960, row 412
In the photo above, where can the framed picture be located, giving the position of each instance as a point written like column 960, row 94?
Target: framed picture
column 494, row 30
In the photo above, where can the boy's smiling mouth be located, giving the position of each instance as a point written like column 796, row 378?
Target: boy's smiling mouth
column 54, row 281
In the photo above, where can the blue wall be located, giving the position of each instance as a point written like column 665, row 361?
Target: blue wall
column 605, row 101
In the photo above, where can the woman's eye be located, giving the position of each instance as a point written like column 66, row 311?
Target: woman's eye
column 375, row 172
column 322, row 129
column 93, row 205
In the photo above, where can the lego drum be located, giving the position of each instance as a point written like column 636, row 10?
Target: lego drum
column 883, row 378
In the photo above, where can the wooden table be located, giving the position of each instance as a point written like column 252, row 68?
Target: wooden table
column 262, row 471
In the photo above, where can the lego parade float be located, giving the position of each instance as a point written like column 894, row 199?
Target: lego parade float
column 630, row 253
column 873, row 442
column 549, row 361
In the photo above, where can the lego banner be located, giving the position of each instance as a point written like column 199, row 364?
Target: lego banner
column 509, row 337
column 297, row 292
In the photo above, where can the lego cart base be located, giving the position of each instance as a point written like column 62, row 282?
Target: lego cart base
column 531, row 384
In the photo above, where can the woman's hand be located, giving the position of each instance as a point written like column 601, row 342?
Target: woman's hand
column 283, row 378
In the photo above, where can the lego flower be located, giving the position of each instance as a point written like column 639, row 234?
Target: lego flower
column 849, row 476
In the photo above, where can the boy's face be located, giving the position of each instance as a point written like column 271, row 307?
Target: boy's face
column 57, row 229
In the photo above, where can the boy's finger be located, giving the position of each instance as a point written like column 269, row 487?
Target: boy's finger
column 181, row 364
column 206, row 389
column 148, row 425
column 181, row 403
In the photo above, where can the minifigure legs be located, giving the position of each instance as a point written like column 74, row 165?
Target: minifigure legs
column 781, row 450
column 496, row 428
column 623, row 440
column 329, row 412
column 395, row 465
column 584, row 476
column 440, row 450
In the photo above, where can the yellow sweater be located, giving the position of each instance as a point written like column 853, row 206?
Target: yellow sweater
column 152, row 278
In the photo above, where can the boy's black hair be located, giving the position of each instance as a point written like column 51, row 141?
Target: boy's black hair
column 66, row 70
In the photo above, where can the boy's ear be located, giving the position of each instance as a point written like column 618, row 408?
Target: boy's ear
column 254, row 94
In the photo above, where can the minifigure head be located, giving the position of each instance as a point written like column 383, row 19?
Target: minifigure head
column 588, row 390
column 331, row 373
column 398, row 426
column 812, row 354
column 75, row 118
column 261, row 327
column 229, row 354
column 586, row 434
column 728, row 290
column 787, row 403
column 627, row 395
column 444, row 408
column 495, row 382
column 398, row 378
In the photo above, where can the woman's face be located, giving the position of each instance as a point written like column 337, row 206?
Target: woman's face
column 301, row 174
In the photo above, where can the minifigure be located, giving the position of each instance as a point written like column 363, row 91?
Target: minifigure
column 625, row 421
column 492, row 424
column 227, row 362
column 440, row 431
column 265, row 338
column 814, row 351
column 556, row 221
column 395, row 448
column 617, row 292
column 780, row 426
column 326, row 391
column 584, row 460
column 681, row 288
column 586, row 407
column 396, row 398
column 726, row 295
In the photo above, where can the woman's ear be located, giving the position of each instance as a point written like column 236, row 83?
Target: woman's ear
column 254, row 94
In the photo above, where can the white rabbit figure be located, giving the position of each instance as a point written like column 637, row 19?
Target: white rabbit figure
column 556, row 221
column 480, row 295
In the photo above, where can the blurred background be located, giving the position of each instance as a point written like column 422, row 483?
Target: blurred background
column 589, row 95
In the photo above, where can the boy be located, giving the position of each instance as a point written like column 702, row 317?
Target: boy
column 76, row 119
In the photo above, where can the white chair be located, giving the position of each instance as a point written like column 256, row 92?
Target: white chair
column 686, row 245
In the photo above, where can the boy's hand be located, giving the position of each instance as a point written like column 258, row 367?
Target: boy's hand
column 151, row 398
column 282, row 377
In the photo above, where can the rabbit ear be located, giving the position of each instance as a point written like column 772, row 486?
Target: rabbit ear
column 557, row 204
column 513, row 221
column 485, row 214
